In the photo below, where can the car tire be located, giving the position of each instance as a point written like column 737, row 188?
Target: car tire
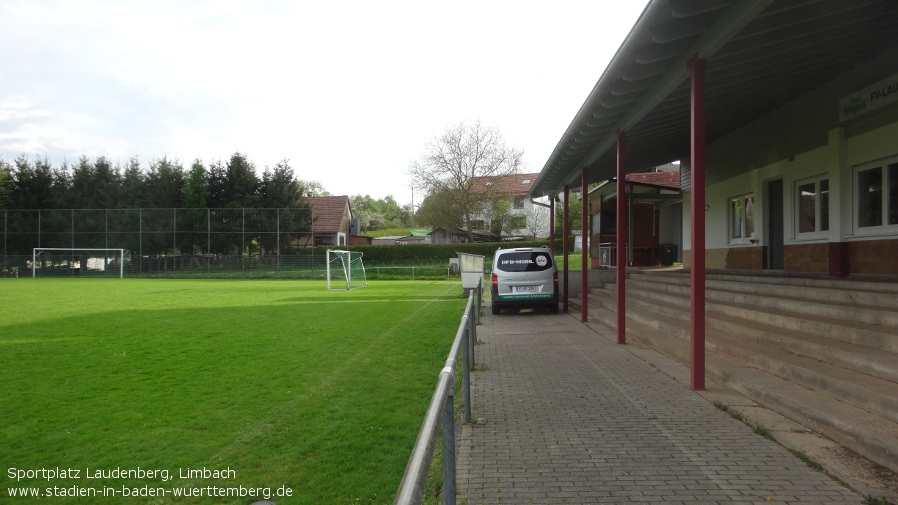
column 495, row 309
column 553, row 309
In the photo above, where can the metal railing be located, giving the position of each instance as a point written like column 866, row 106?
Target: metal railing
column 441, row 413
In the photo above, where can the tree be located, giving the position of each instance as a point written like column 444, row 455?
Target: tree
column 574, row 213
column 440, row 209
column 378, row 214
column 452, row 163
column 538, row 222
column 498, row 211
column 164, row 184
column 107, row 184
column 5, row 183
column 132, row 191
column 313, row 188
column 81, row 192
column 364, row 208
column 279, row 189
column 196, row 187
column 241, row 185
column 217, row 177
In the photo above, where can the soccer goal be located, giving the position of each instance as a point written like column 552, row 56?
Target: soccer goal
column 75, row 262
column 345, row 269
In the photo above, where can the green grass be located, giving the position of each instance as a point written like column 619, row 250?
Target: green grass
column 574, row 261
column 391, row 232
column 283, row 382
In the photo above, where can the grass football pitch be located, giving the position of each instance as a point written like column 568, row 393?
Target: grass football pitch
column 215, row 391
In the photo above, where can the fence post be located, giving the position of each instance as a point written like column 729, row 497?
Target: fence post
column 479, row 298
column 449, row 448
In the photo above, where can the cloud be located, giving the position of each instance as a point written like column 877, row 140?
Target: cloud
column 350, row 92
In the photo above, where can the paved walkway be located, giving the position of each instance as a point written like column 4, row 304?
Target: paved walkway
column 565, row 415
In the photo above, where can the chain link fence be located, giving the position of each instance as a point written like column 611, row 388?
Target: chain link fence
column 171, row 242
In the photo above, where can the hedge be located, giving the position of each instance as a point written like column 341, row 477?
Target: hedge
column 435, row 254
column 426, row 254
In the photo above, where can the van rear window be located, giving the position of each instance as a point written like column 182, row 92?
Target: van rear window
column 524, row 262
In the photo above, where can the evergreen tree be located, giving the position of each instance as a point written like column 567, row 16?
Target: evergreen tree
column 107, row 183
column 35, row 186
column 196, row 187
column 216, row 185
column 133, row 185
column 5, row 183
column 241, row 187
column 80, row 193
column 164, row 184
column 279, row 188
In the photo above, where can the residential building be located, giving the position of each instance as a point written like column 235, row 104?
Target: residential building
column 527, row 220
column 331, row 221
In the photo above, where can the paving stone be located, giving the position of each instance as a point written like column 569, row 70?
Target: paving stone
column 569, row 416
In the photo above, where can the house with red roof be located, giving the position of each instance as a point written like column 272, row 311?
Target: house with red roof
column 331, row 221
column 526, row 218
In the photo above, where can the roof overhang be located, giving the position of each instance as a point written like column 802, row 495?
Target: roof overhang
column 760, row 54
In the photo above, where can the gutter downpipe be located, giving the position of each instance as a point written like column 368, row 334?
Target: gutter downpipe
column 620, row 247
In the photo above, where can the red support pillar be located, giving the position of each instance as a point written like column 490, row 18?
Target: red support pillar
column 697, row 210
column 621, row 243
column 584, row 248
column 566, row 231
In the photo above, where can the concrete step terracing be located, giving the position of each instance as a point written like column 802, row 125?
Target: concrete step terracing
column 828, row 360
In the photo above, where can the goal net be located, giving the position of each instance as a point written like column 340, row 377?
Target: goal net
column 345, row 270
column 74, row 262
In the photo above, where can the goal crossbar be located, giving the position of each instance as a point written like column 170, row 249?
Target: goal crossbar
column 38, row 250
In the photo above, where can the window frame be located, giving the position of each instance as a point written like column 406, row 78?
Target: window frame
column 888, row 204
column 818, row 231
column 745, row 237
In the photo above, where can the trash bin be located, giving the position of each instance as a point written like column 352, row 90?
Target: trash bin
column 668, row 254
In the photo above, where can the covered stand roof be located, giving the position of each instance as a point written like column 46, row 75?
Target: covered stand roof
column 760, row 54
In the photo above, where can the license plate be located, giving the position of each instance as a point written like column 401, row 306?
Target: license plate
column 525, row 289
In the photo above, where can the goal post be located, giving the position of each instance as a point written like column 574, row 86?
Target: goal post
column 78, row 262
column 345, row 270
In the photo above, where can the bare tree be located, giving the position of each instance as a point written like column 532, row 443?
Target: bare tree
column 538, row 221
column 453, row 162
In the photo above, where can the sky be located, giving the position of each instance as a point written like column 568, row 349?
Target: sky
column 349, row 92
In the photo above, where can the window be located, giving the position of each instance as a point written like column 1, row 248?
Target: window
column 813, row 206
column 877, row 196
column 519, row 202
column 518, row 222
column 741, row 217
column 608, row 222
